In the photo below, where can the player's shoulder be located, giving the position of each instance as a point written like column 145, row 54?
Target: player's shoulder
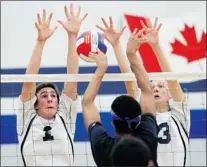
column 148, row 117
column 98, row 134
column 147, row 127
column 101, row 143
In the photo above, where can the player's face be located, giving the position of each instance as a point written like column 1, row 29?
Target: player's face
column 47, row 103
column 160, row 91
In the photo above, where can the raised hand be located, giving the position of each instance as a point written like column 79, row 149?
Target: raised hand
column 151, row 31
column 73, row 22
column 111, row 35
column 100, row 59
column 43, row 26
column 136, row 39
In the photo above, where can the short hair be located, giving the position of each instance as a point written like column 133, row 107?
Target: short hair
column 130, row 151
column 125, row 106
column 46, row 85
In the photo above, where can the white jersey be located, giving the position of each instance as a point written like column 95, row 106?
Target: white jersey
column 173, row 134
column 35, row 147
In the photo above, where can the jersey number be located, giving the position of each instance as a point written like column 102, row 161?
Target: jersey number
column 164, row 134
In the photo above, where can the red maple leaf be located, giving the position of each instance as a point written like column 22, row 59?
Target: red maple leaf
column 194, row 50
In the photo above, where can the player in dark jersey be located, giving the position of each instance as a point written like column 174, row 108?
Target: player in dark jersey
column 130, row 118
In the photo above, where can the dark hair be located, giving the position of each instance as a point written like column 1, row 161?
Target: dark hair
column 125, row 107
column 46, row 85
column 130, row 151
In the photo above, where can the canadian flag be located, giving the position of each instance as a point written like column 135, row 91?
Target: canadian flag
column 183, row 40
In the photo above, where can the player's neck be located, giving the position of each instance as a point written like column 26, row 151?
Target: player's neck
column 122, row 135
column 162, row 108
column 46, row 117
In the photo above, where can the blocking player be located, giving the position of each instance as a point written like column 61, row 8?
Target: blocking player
column 46, row 120
column 173, row 116
column 129, row 118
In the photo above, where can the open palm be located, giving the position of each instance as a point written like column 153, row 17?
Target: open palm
column 111, row 35
column 151, row 31
column 73, row 22
column 43, row 26
column 135, row 40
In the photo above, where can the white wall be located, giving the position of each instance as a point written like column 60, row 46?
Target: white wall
column 18, row 35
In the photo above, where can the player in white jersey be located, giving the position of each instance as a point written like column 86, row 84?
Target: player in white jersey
column 174, row 121
column 173, row 116
column 46, row 120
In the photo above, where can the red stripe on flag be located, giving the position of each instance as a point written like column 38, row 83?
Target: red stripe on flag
column 149, row 59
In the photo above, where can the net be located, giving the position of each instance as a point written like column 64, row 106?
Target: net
column 107, row 77
column 193, row 84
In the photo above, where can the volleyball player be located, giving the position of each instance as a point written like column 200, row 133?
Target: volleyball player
column 173, row 116
column 45, row 120
column 129, row 118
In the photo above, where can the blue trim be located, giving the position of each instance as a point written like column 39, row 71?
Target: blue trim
column 107, row 88
column 9, row 134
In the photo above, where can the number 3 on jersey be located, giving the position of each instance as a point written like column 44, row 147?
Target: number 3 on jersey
column 164, row 133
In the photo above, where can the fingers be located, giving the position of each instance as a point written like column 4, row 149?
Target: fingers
column 50, row 18
column 104, row 22
column 143, row 24
column 143, row 38
column 110, row 22
column 71, row 14
column 99, row 51
column 139, row 36
column 134, row 32
column 93, row 55
column 83, row 18
column 39, row 19
column 79, row 11
column 43, row 20
column 44, row 16
column 149, row 24
column 61, row 22
column 122, row 30
column 66, row 11
column 160, row 25
column 139, row 33
column 71, row 9
column 54, row 29
column 37, row 26
column 99, row 27
column 155, row 24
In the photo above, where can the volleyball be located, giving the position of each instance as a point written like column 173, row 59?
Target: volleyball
column 89, row 41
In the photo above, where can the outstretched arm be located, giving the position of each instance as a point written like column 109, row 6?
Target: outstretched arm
column 113, row 37
column 147, row 98
column 90, row 111
column 153, row 40
column 72, row 27
column 44, row 32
